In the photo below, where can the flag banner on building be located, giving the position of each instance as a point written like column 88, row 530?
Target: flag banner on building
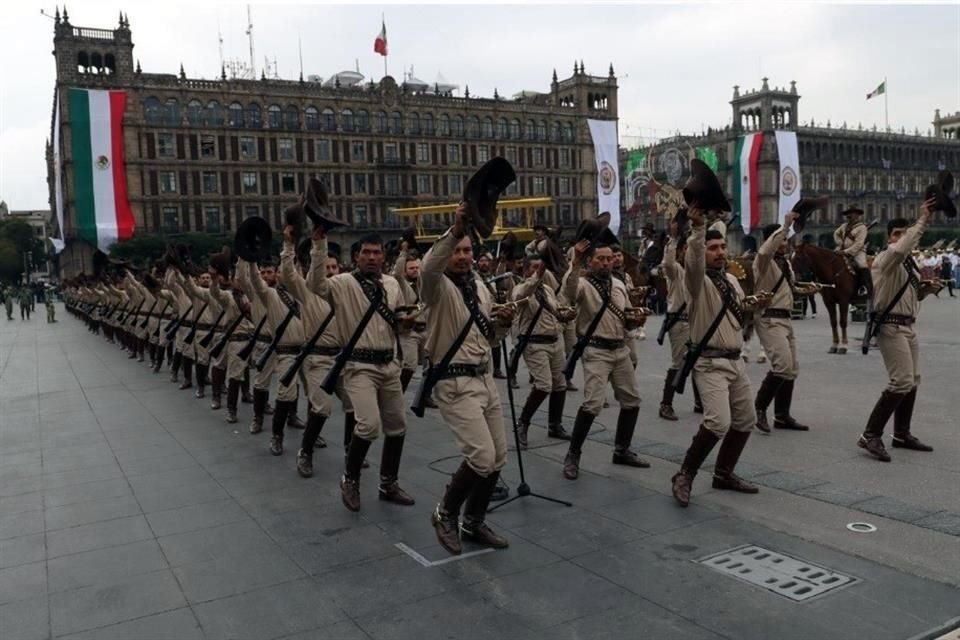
column 635, row 179
column 380, row 44
column 882, row 89
column 789, row 172
column 746, row 185
column 604, row 134
column 709, row 157
column 56, row 239
column 101, row 208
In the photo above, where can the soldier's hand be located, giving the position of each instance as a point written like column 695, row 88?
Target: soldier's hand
column 318, row 234
column 460, row 222
column 789, row 218
column 674, row 229
column 695, row 215
column 926, row 209
column 505, row 313
column 288, row 234
column 580, row 249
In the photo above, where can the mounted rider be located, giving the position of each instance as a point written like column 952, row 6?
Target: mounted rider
column 850, row 239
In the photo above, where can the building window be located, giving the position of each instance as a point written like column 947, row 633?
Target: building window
column 363, row 121
column 423, row 184
column 390, row 152
column 208, row 147
column 541, row 130
column 285, row 148
column 566, row 214
column 538, row 187
column 249, row 181
column 171, row 220
column 488, row 127
column 502, row 128
column 323, row 150
column 360, row 216
column 251, row 211
column 346, row 120
column 381, row 122
column 426, row 123
column 456, row 126
column 358, row 152
column 443, row 124
column 291, row 118
column 564, row 157
column 473, row 127
column 396, row 122
column 483, row 153
column 455, row 184
column 567, row 129
column 564, row 186
column 453, row 153
column 538, row 156
column 209, row 181
column 414, row 124
column 514, row 129
column 393, row 184
column 423, row 152
column 512, row 155
column 287, row 183
column 166, row 147
column 168, row 182
column 235, row 115
column 213, row 219
column 311, row 118
column 214, row 114
column 248, row 147
column 171, row 113
column 252, row 118
column 359, row 183
column 195, row 113
column 555, row 131
column 328, row 120
column 274, row 116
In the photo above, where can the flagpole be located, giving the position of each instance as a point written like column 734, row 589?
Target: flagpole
column 886, row 119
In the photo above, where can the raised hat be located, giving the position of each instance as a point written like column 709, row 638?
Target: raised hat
column 591, row 228
column 806, row 206
column 252, row 240
column 482, row 191
column 703, row 187
column 316, row 204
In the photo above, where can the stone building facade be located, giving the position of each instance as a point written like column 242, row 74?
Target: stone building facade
column 202, row 155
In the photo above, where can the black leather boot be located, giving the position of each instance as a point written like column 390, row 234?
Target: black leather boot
column 187, row 373
column 781, row 408
column 555, row 415
column 902, row 438
column 217, row 378
column 390, row 490
column 260, row 397
column 279, row 419
column 703, row 443
column 233, row 394
column 350, row 482
column 666, row 401
column 727, row 457
column 293, row 420
column 626, row 425
column 447, row 513
column 534, row 400
column 766, row 392
column 307, row 443
column 474, row 527
column 581, row 429
column 245, row 396
column 201, row 380
column 871, row 439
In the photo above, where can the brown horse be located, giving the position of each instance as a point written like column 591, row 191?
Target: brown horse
column 828, row 267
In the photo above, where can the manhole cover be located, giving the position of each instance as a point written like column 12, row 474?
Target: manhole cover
column 783, row 575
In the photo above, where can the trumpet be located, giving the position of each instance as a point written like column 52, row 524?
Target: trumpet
column 566, row 314
column 512, row 306
column 758, row 300
column 814, row 285
column 635, row 317
column 636, row 295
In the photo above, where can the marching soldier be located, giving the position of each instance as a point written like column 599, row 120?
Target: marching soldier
column 676, row 319
column 263, row 336
column 51, row 310
column 8, row 301
column 850, row 239
column 897, row 295
column 406, row 270
column 601, row 300
column 236, row 319
column 772, row 272
column 203, row 315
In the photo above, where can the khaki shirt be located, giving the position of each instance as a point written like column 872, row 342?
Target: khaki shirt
column 853, row 243
column 344, row 292
column 705, row 299
column 719, row 225
column 587, row 299
column 889, row 274
column 258, row 310
column 276, row 310
column 547, row 323
column 205, row 309
column 673, row 272
column 766, row 272
column 448, row 313
column 225, row 300
column 313, row 309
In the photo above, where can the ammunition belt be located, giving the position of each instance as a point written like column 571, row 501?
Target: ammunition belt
column 419, row 326
column 605, row 343
column 542, row 339
column 204, row 326
column 264, row 338
column 898, row 319
column 287, row 349
column 372, row 356
column 728, row 354
column 463, row 371
column 240, row 337
column 324, row 351
column 678, row 317
column 777, row 313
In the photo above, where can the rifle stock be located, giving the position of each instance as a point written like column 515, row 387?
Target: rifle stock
column 262, row 360
column 208, row 338
column 193, row 330
column 222, row 342
column 291, row 371
column 143, row 325
column 247, row 349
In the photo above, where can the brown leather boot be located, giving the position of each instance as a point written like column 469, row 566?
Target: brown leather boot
column 555, row 415
column 871, row 439
column 350, row 482
column 390, row 490
column 581, row 429
column 474, row 528
column 781, row 408
column 626, row 424
column 703, row 443
column 766, row 392
column 902, row 417
column 233, row 393
column 666, row 401
column 445, row 517
column 727, row 458
column 534, row 400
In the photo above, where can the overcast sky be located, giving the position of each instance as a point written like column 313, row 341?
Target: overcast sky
column 676, row 64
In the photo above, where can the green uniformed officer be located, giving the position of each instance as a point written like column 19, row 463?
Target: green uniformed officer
column 48, row 300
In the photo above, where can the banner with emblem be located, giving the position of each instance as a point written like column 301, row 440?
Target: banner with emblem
column 102, row 214
column 789, row 172
column 604, row 134
column 56, row 236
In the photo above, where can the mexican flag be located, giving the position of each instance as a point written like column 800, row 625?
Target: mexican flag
column 746, row 185
column 882, row 89
column 380, row 44
column 102, row 211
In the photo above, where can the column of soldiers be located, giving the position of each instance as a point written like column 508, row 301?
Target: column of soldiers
column 360, row 336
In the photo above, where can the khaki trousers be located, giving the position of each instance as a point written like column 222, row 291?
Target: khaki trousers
column 777, row 339
column 726, row 395
column 569, row 337
column 600, row 365
column 679, row 333
column 235, row 365
column 262, row 378
column 181, row 346
column 376, row 397
column 283, row 362
column 313, row 371
column 545, row 363
column 221, row 361
column 411, row 345
column 901, row 356
column 463, row 401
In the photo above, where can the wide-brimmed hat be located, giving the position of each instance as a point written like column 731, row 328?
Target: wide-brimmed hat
column 316, row 205
column 220, row 262
column 852, row 209
column 591, row 228
column 482, row 191
column 806, row 206
column 703, row 187
column 941, row 190
column 252, row 240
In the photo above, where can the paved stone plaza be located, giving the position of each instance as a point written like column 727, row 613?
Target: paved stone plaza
column 129, row 510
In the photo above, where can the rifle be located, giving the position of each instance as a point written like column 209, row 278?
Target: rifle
column 874, row 319
column 330, row 381
column 156, row 331
column 287, row 377
column 207, row 339
column 262, row 360
column 218, row 348
column 143, row 325
column 577, row 352
column 136, row 311
column 171, row 328
column 668, row 322
column 695, row 349
column 193, row 330
column 122, row 313
column 247, row 349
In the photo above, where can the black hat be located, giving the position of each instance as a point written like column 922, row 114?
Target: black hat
column 151, row 283
column 334, row 248
column 941, row 190
column 316, row 204
column 704, row 188
column 852, row 209
column 806, row 206
column 252, row 240
column 293, row 216
column 507, row 245
column 749, row 244
column 541, row 226
column 220, row 262
column 552, row 256
column 606, row 238
column 591, row 228
column 482, row 191
column 769, row 230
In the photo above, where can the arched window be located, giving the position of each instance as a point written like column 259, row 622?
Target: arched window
column 274, row 116
column 363, row 120
column 487, row 128
column 151, row 111
column 541, row 130
column 291, row 117
column 473, row 127
column 396, row 122
column 427, row 124
column 109, row 64
column 171, row 113
column 328, row 120
column 382, row 122
column 252, row 118
column 443, row 123
column 567, row 132
column 96, row 62
column 555, row 131
column 311, row 118
column 346, row 120
column 214, row 114
column 195, row 113
column 514, row 129
column 502, row 130
column 529, row 131
column 456, row 126
column 414, row 127
column 83, row 62
column 235, row 115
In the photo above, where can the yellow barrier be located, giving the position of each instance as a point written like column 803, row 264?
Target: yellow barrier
column 528, row 205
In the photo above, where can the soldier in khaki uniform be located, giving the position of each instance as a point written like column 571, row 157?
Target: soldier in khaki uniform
column 894, row 269
column 543, row 353
column 719, row 372
column 850, row 239
column 205, row 312
column 258, row 314
column 371, row 377
column 772, row 272
column 406, row 270
column 607, row 356
column 466, row 392
column 677, row 315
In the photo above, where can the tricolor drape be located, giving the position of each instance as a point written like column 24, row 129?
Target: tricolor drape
column 746, row 185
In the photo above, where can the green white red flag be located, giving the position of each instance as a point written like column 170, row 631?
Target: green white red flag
column 746, row 184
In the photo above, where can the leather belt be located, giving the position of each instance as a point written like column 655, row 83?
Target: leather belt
column 287, row 349
column 463, row 371
column 372, row 356
column 263, row 338
column 678, row 317
column 728, row 354
column 542, row 339
column 240, row 337
column 204, row 326
column 324, row 351
column 898, row 319
column 605, row 343
column 776, row 313
column 419, row 326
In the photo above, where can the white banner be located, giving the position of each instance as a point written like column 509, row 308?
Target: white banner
column 604, row 134
column 789, row 172
column 57, row 242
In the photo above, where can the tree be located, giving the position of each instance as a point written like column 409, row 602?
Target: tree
column 22, row 239
column 146, row 248
column 11, row 266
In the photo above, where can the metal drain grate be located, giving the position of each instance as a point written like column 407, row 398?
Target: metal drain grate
column 788, row 577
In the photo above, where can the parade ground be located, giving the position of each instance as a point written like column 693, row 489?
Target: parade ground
column 130, row 510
